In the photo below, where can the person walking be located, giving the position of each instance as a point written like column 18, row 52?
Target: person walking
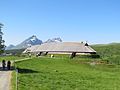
column 8, row 65
column 3, row 64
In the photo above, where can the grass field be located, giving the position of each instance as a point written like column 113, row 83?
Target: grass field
column 66, row 74
column 62, row 73
column 109, row 52
column 10, row 58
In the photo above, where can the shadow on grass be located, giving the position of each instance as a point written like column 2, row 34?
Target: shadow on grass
column 5, row 69
column 23, row 71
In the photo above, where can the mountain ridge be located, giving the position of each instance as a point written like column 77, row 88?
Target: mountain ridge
column 33, row 40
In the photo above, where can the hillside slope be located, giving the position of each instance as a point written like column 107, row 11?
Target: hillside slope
column 110, row 52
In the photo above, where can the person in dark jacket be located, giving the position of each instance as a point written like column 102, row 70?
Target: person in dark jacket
column 8, row 65
column 3, row 64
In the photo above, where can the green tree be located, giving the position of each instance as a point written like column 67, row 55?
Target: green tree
column 2, row 46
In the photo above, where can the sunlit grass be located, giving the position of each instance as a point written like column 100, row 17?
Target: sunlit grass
column 10, row 58
column 66, row 74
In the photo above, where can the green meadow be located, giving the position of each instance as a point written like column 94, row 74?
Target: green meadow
column 11, row 58
column 79, row 73
column 109, row 52
column 66, row 74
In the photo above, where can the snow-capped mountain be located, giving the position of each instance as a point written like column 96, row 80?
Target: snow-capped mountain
column 53, row 40
column 33, row 40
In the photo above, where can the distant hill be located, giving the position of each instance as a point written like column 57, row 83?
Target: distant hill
column 105, row 49
column 10, row 47
column 14, row 51
column 109, row 52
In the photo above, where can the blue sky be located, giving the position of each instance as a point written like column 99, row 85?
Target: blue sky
column 95, row 21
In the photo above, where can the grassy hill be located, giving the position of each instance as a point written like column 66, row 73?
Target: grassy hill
column 109, row 52
column 14, row 51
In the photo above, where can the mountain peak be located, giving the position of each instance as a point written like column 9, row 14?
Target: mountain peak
column 33, row 40
column 58, row 39
column 33, row 36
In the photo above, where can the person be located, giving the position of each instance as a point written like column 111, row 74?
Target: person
column 8, row 65
column 3, row 64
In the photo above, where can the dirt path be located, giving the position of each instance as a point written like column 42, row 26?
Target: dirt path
column 5, row 77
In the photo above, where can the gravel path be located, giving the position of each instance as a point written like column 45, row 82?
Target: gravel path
column 5, row 77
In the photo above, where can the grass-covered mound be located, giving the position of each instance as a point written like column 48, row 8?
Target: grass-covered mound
column 66, row 74
column 109, row 52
